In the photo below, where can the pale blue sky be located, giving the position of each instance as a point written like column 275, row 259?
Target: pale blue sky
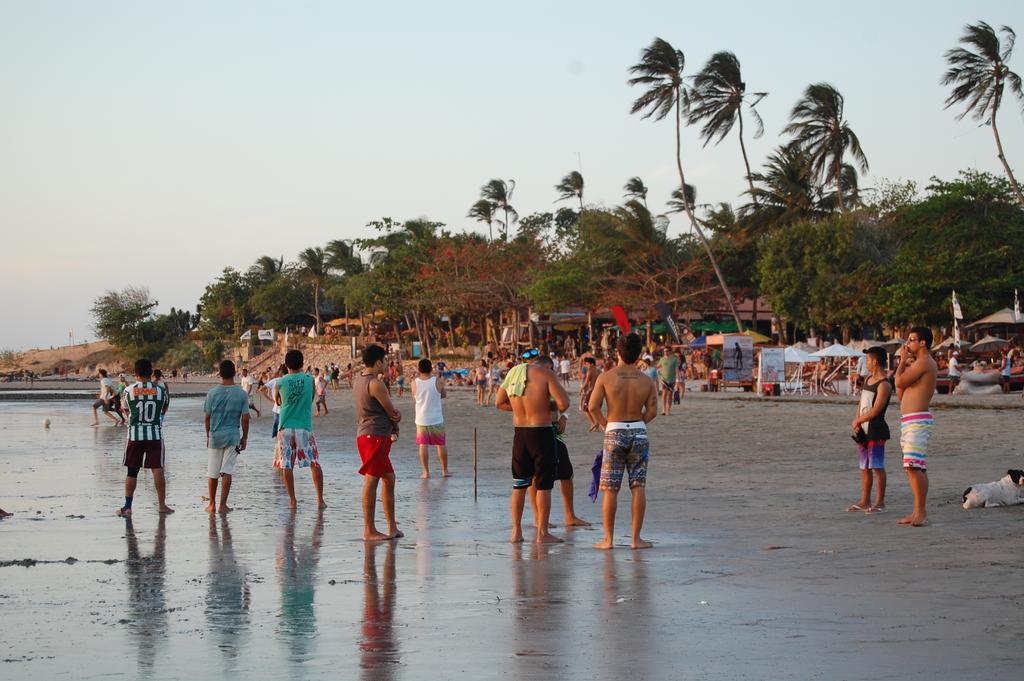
column 153, row 145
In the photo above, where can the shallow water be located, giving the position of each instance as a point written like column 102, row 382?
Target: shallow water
column 267, row 593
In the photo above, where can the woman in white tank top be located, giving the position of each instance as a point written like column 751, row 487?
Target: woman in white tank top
column 428, row 391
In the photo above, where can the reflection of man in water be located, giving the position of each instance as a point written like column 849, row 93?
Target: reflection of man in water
column 737, row 354
column 227, row 590
column 296, row 569
column 378, row 649
column 147, row 612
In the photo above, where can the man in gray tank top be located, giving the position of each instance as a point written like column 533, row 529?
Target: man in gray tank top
column 376, row 428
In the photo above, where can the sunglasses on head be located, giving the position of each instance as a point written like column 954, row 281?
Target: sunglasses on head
column 531, row 353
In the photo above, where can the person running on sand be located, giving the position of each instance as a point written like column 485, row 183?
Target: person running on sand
column 296, row 445
column 527, row 392
column 144, row 403
column 668, row 366
column 105, row 400
column 249, row 388
column 915, row 386
column 225, row 407
column 588, row 373
column 563, row 468
column 632, row 404
column 871, row 432
column 376, row 425
column 428, row 391
column 320, row 385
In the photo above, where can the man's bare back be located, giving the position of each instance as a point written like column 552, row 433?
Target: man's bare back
column 631, row 395
column 533, row 408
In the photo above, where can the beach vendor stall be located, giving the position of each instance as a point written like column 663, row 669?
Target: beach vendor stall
column 737, row 358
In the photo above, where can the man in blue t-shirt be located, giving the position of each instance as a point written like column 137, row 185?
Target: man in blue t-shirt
column 296, row 445
column 226, row 406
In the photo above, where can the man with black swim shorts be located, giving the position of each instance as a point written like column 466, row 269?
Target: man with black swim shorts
column 528, row 392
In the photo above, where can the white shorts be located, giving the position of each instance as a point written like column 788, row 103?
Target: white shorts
column 220, row 461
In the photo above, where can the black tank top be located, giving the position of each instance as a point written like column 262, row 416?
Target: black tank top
column 878, row 429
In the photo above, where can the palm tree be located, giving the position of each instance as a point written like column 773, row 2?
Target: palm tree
column 315, row 268
column 341, row 255
column 979, row 78
column 717, row 98
column 635, row 189
column 818, row 128
column 483, row 211
column 784, row 192
column 681, row 201
column 499, row 192
column 571, row 187
column 660, row 70
column 269, row 267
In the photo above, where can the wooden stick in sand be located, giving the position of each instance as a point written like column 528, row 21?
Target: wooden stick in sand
column 474, row 465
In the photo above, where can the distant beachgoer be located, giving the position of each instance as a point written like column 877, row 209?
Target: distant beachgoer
column 493, row 382
column 226, row 406
column 116, row 402
column 428, row 391
column 1006, row 370
column 296, row 444
column 320, row 386
column 400, row 378
column 871, row 431
column 158, row 378
column 105, row 400
column 377, row 421
column 632, row 403
column 145, row 403
column 668, row 367
column 588, row 374
column 480, row 380
column 249, row 388
column 527, row 392
column 680, row 378
column 954, row 372
column 564, row 369
column 915, row 386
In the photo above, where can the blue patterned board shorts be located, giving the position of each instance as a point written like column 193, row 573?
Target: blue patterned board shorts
column 872, row 455
column 625, row 451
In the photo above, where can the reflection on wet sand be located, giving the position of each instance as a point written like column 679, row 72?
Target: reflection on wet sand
column 378, row 649
column 147, row 611
column 296, row 570
column 228, row 594
column 539, row 585
column 627, row 616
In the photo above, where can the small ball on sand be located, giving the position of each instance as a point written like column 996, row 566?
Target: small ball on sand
column 46, row 423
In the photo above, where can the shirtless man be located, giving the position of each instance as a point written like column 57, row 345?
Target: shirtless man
column 632, row 403
column 915, row 385
column 528, row 391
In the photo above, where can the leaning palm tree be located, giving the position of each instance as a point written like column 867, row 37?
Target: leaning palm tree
column 818, row 127
column 341, row 255
column 314, row 266
column 684, row 200
column 269, row 267
column 483, row 211
column 716, row 102
column 499, row 192
column 571, row 187
column 979, row 77
column 635, row 189
column 660, row 70
column 784, row 191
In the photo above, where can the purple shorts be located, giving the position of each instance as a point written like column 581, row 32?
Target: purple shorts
column 872, row 455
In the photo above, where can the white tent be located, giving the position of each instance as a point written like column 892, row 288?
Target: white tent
column 795, row 355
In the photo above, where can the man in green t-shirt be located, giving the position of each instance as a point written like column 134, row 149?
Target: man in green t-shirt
column 667, row 367
column 296, row 445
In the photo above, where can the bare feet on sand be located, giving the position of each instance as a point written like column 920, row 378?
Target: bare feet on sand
column 124, row 512
column 640, row 543
column 225, row 509
column 425, row 475
column 913, row 520
column 321, row 504
column 605, row 544
column 375, row 536
column 576, row 522
column 395, row 534
column 293, row 504
column 517, row 538
column 210, row 507
column 166, row 510
column 445, row 474
column 547, row 539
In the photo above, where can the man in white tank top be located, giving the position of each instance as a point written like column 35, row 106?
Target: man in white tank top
column 428, row 391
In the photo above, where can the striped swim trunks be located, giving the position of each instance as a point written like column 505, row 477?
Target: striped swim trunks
column 915, row 434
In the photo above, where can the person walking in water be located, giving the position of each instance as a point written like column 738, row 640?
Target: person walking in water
column 632, row 404
column 377, row 424
column 428, row 391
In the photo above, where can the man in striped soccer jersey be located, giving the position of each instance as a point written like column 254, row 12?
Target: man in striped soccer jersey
column 144, row 404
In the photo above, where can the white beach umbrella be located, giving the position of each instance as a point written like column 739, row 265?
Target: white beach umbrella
column 795, row 355
column 989, row 344
column 838, row 350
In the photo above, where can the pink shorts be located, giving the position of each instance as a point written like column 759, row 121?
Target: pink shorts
column 430, row 435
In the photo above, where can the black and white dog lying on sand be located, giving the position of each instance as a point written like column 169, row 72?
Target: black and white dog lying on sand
column 1005, row 492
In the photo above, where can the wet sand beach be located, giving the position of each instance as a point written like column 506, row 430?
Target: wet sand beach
column 758, row 572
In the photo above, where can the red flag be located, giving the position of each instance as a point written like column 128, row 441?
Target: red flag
column 621, row 319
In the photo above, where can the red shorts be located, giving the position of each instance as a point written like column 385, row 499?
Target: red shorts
column 144, row 454
column 375, row 452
